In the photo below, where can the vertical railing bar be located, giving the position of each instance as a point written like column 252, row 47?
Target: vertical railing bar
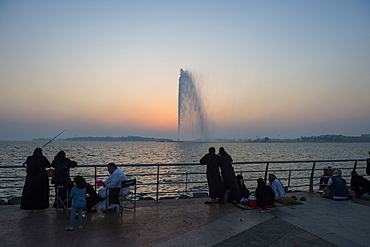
column 95, row 175
column 311, row 178
column 266, row 171
column 157, row 193
column 186, row 182
column 290, row 173
column 355, row 166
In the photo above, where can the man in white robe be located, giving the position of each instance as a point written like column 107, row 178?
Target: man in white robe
column 114, row 181
column 276, row 186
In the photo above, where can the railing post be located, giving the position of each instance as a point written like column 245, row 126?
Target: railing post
column 311, row 178
column 157, row 193
column 186, row 182
column 290, row 173
column 266, row 171
column 96, row 176
column 355, row 166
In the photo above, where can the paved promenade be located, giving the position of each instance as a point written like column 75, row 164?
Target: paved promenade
column 190, row 222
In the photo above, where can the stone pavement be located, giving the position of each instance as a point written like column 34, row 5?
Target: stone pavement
column 190, row 222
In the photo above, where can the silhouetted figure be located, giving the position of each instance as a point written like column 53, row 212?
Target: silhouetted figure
column 244, row 192
column 215, row 184
column 60, row 161
column 61, row 177
column 228, row 176
column 328, row 172
column 265, row 196
column 359, row 184
column 63, row 186
column 35, row 195
column 337, row 186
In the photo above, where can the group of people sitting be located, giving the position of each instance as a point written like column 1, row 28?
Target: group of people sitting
column 224, row 186
column 35, row 195
column 335, row 186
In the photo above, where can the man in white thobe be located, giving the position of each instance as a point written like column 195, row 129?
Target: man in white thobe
column 276, row 186
column 114, row 181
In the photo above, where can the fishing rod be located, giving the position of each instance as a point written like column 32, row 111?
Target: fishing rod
column 53, row 138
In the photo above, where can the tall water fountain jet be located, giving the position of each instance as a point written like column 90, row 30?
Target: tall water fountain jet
column 191, row 115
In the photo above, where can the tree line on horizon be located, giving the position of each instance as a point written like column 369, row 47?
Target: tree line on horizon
column 321, row 138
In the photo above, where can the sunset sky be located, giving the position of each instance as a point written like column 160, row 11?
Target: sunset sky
column 281, row 69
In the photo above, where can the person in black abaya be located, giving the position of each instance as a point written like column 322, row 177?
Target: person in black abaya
column 244, row 192
column 35, row 195
column 265, row 195
column 359, row 184
column 63, row 185
column 62, row 162
column 215, row 184
column 61, row 177
column 228, row 176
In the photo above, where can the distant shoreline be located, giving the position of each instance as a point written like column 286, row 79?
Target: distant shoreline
column 320, row 139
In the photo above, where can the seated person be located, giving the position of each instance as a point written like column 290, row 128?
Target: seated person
column 359, row 184
column 265, row 196
column 337, row 187
column 92, row 199
column 61, row 162
column 328, row 172
column 114, row 181
column 244, row 192
column 276, row 186
column 63, row 186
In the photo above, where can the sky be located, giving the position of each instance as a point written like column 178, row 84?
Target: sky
column 277, row 69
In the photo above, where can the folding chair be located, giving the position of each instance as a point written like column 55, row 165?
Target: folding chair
column 62, row 198
column 130, row 197
column 114, row 196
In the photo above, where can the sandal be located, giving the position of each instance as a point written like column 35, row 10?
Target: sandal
column 294, row 197
column 303, row 199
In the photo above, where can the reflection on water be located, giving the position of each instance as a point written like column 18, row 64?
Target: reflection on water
column 100, row 153
column 15, row 153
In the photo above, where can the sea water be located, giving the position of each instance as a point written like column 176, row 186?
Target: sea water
column 102, row 153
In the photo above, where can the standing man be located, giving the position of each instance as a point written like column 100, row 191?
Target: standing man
column 114, row 181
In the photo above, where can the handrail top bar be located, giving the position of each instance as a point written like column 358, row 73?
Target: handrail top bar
column 192, row 164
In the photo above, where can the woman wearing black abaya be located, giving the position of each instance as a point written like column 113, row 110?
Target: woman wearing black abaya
column 265, row 196
column 215, row 184
column 35, row 195
column 228, row 176
column 62, row 166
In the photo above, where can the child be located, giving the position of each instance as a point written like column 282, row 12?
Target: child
column 78, row 194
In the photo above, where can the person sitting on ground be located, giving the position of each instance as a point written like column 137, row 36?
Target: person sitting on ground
column 328, row 172
column 359, row 184
column 337, row 186
column 92, row 199
column 244, row 192
column 276, row 186
column 265, row 196
column 114, row 181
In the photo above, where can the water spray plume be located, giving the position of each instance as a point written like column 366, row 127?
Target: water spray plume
column 191, row 116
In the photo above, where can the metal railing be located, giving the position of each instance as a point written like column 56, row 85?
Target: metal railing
column 161, row 180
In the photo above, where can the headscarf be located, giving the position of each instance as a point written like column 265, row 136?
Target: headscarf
column 37, row 152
